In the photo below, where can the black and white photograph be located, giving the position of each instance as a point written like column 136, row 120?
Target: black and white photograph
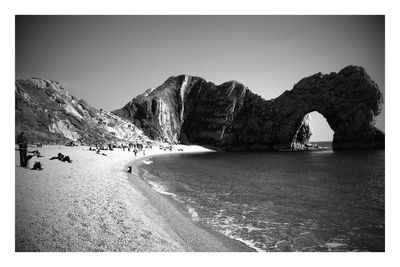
column 250, row 133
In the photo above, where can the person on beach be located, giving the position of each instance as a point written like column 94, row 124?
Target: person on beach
column 37, row 166
column 62, row 158
column 29, row 162
column 33, row 165
column 35, row 153
column 98, row 152
column 23, row 146
column 129, row 169
column 135, row 151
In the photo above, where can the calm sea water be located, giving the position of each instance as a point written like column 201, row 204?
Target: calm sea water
column 282, row 201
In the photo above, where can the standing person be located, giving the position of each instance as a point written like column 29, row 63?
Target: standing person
column 23, row 146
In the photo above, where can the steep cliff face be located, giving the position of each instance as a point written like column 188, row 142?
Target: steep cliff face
column 48, row 113
column 186, row 109
column 191, row 110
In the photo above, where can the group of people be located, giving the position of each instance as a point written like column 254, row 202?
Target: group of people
column 135, row 147
column 165, row 148
column 28, row 161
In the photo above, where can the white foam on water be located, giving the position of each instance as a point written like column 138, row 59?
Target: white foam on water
column 147, row 162
column 248, row 243
column 252, row 228
column 161, row 189
column 225, row 225
column 193, row 213
column 334, row 245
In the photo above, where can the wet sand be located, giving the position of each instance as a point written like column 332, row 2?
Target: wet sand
column 193, row 236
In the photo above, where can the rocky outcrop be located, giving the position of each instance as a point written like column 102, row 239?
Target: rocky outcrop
column 48, row 113
column 229, row 116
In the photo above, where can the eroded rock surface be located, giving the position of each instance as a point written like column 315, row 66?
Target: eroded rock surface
column 47, row 113
column 229, row 116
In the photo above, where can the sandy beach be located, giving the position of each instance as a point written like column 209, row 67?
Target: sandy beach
column 93, row 204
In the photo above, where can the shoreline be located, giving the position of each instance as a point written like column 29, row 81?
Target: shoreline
column 195, row 235
column 92, row 205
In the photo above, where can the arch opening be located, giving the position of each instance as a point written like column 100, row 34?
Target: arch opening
column 313, row 131
column 321, row 131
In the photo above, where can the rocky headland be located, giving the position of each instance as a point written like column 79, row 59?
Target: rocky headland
column 230, row 117
column 190, row 110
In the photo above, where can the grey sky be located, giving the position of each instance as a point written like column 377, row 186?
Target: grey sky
column 107, row 60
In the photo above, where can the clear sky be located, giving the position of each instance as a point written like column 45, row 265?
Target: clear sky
column 108, row 60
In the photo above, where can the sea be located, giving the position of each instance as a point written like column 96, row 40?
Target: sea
column 320, row 200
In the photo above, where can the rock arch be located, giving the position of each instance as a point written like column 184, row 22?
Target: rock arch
column 229, row 116
column 348, row 100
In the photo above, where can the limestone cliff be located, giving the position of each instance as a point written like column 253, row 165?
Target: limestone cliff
column 229, row 116
column 46, row 111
